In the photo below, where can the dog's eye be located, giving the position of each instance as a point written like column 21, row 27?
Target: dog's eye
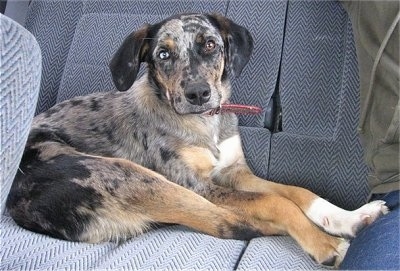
column 209, row 46
column 164, row 55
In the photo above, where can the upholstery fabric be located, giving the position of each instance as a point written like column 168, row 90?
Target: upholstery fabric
column 276, row 253
column 257, row 82
column 256, row 145
column 86, row 71
column 168, row 248
column 319, row 147
column 20, row 68
column 163, row 8
column 53, row 23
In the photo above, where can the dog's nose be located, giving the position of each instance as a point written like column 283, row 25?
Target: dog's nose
column 198, row 94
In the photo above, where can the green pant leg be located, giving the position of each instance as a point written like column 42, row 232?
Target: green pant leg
column 376, row 33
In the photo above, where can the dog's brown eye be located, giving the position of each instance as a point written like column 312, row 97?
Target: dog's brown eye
column 164, row 55
column 210, row 46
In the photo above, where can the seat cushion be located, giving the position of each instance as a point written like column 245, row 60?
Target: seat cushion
column 276, row 253
column 165, row 248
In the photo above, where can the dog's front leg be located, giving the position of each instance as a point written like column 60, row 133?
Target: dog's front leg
column 270, row 212
column 328, row 216
column 274, row 214
column 234, row 172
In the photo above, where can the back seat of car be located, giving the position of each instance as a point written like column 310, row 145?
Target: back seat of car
column 303, row 69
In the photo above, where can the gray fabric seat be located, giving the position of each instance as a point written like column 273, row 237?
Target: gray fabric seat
column 319, row 147
column 311, row 63
column 20, row 70
column 168, row 248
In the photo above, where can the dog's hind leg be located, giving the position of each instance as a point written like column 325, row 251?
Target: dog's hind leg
column 79, row 197
column 147, row 195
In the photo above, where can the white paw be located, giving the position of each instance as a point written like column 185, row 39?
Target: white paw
column 337, row 221
column 369, row 212
column 353, row 221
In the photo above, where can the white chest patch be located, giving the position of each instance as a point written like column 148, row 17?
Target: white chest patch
column 230, row 153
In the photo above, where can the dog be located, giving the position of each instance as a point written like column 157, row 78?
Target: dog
column 109, row 166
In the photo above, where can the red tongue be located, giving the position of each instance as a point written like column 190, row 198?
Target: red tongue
column 237, row 109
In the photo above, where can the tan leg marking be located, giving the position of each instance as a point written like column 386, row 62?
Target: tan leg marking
column 200, row 160
column 326, row 215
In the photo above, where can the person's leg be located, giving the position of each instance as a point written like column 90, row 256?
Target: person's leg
column 377, row 246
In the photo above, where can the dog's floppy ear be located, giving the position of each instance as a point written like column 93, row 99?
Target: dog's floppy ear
column 238, row 42
column 126, row 61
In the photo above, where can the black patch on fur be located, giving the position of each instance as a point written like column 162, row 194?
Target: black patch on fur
column 244, row 232
column 148, row 180
column 95, row 105
column 110, row 133
column 238, row 43
column 38, row 135
column 144, row 142
column 167, row 154
column 64, row 135
column 44, row 199
column 151, row 165
column 30, row 154
column 191, row 184
column 126, row 170
column 111, row 185
column 194, row 62
column 161, row 132
column 76, row 102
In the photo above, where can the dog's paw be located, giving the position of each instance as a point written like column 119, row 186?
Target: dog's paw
column 368, row 213
column 331, row 255
column 339, row 222
column 351, row 222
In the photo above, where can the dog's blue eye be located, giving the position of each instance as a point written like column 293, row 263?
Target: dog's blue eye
column 164, row 54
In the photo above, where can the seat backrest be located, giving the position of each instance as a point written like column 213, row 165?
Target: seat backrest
column 20, row 69
column 319, row 147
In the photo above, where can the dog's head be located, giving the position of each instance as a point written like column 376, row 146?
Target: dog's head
column 189, row 58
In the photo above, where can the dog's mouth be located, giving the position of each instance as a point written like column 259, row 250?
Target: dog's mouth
column 211, row 108
column 224, row 108
column 205, row 112
column 183, row 107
